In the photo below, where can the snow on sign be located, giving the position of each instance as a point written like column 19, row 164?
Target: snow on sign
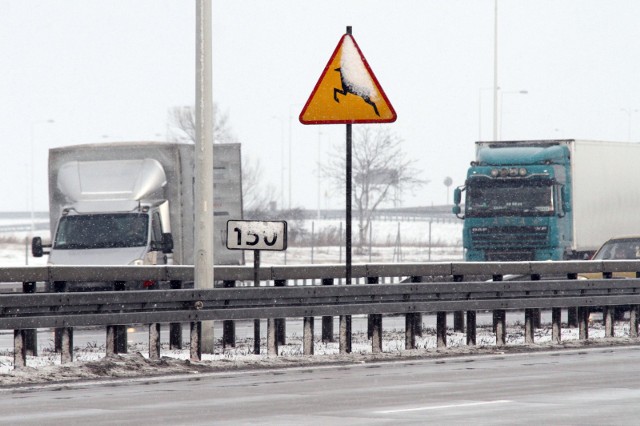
column 347, row 91
column 256, row 235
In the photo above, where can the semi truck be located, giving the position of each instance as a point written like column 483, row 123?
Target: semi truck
column 132, row 203
column 531, row 200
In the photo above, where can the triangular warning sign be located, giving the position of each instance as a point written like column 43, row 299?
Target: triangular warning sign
column 347, row 91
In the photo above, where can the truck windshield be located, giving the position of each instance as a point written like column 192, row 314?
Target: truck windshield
column 513, row 197
column 94, row 231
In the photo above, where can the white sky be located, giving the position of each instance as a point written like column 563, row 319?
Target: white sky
column 110, row 71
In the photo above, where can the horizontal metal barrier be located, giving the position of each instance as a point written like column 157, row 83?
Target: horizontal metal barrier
column 437, row 288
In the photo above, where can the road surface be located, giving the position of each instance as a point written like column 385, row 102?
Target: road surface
column 586, row 386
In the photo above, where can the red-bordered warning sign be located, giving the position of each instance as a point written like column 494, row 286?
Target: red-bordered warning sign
column 347, row 91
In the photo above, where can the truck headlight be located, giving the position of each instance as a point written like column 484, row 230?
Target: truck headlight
column 137, row 262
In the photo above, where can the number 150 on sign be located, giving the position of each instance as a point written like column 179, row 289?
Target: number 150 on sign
column 256, row 235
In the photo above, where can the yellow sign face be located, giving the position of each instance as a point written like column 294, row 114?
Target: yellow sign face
column 347, row 91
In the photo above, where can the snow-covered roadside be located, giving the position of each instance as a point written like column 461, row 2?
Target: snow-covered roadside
column 90, row 362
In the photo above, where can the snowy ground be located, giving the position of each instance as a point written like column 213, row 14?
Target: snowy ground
column 90, row 362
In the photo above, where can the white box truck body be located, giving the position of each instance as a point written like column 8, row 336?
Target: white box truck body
column 100, row 193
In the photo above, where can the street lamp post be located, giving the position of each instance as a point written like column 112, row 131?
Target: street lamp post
column 495, row 69
column 517, row 92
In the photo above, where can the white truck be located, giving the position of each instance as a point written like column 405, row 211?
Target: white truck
column 132, row 203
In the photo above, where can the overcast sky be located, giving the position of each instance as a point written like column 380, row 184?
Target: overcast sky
column 111, row 70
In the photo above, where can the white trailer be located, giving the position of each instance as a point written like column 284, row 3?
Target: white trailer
column 606, row 196
column 98, row 192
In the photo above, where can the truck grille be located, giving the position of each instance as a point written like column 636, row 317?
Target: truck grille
column 508, row 238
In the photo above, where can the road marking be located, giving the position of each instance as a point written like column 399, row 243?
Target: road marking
column 440, row 407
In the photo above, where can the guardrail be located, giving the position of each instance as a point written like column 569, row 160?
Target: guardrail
column 453, row 287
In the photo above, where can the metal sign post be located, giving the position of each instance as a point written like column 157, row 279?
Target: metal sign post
column 258, row 235
column 346, row 93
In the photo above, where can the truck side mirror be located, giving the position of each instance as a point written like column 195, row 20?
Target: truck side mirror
column 167, row 242
column 36, row 247
column 457, row 198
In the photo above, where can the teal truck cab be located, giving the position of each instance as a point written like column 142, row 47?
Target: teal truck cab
column 545, row 199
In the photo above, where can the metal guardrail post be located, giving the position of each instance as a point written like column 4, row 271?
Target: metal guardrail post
column 30, row 335
column 633, row 321
column 608, row 312
column 417, row 316
column 572, row 312
column 583, row 323
column 307, row 335
column 374, row 324
column 281, row 323
column 441, row 330
column 500, row 321
column 327, row 321
column 413, row 323
column 582, row 315
column 556, row 325
column 154, row 341
column 458, row 316
column 117, row 334
column 272, row 340
column 536, row 312
column 471, row 318
column 66, row 355
column 458, row 321
column 154, row 330
column 195, row 341
column 19, row 350
column 633, row 318
column 58, row 287
column 345, row 334
column 228, row 326
column 175, row 328
column 530, row 315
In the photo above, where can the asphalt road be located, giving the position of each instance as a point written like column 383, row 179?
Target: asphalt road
column 586, row 386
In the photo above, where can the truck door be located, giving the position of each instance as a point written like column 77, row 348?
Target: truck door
column 156, row 238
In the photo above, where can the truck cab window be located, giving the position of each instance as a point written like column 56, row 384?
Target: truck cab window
column 101, row 231
column 510, row 197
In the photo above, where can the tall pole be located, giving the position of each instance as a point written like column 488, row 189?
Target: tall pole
column 348, row 201
column 318, row 169
column 495, row 71
column 345, row 320
column 203, row 260
column 290, row 116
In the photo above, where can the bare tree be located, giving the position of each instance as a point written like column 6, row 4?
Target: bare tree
column 381, row 173
column 256, row 195
column 182, row 122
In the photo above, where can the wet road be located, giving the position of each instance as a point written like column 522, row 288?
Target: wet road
column 586, row 386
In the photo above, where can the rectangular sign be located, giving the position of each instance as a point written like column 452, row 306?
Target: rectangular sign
column 256, row 235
